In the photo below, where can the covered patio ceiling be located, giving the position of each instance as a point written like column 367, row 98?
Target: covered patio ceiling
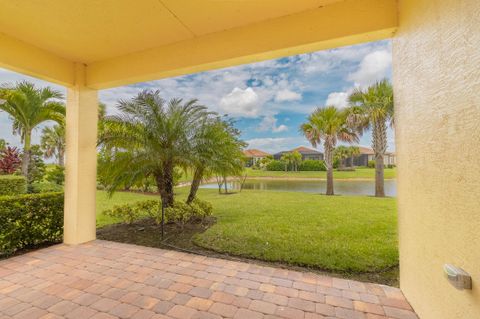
column 123, row 42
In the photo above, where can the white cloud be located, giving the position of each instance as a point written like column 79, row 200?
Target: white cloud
column 338, row 99
column 241, row 102
column 269, row 123
column 287, row 95
column 373, row 67
column 277, row 144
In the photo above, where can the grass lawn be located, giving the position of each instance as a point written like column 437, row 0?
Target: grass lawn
column 359, row 173
column 339, row 233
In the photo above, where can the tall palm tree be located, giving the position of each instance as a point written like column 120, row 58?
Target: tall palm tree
column 53, row 143
column 150, row 137
column 372, row 108
column 217, row 149
column 29, row 106
column 328, row 124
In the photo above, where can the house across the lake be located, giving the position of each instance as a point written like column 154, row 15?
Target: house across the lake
column 367, row 154
column 253, row 156
column 307, row 154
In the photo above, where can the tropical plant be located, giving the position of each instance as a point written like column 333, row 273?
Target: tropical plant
column 372, row 108
column 3, row 144
column 53, row 143
column 55, row 175
column 36, row 166
column 216, row 149
column 150, row 138
column 328, row 125
column 287, row 159
column 29, row 106
column 342, row 153
column 9, row 160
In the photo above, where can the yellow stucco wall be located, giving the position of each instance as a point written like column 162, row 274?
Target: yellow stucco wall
column 436, row 55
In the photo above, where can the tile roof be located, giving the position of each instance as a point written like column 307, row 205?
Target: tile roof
column 255, row 153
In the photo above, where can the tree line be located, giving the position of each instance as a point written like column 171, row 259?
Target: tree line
column 150, row 139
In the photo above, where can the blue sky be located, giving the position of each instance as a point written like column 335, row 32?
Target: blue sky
column 269, row 100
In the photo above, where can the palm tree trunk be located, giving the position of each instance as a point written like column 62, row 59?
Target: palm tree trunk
column 379, row 146
column 165, row 184
column 61, row 157
column 26, row 153
column 197, row 178
column 329, row 164
column 379, row 181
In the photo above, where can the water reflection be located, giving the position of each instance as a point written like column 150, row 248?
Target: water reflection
column 350, row 187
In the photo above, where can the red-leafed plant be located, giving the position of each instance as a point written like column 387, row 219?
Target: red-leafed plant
column 9, row 160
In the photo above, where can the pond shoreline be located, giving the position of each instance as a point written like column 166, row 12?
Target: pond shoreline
column 229, row 179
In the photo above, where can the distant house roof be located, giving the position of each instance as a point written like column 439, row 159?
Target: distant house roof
column 302, row 150
column 305, row 150
column 255, row 153
column 369, row 151
column 366, row 150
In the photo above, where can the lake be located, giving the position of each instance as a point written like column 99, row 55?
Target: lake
column 341, row 187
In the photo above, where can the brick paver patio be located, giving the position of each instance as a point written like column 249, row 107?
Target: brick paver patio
column 111, row 280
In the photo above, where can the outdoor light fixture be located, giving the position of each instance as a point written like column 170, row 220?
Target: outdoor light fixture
column 458, row 277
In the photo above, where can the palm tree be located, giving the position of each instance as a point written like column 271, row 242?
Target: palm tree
column 28, row 107
column 150, row 137
column 353, row 151
column 296, row 160
column 217, row 149
column 328, row 124
column 288, row 159
column 372, row 108
column 341, row 153
column 53, row 143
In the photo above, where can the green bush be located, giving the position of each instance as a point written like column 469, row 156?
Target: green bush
column 31, row 219
column 12, row 185
column 371, row 164
column 275, row 165
column 312, row 165
column 45, row 187
column 180, row 213
column 206, row 207
column 56, row 175
column 130, row 213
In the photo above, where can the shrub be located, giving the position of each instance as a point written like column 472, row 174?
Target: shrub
column 391, row 166
column 275, row 165
column 36, row 167
column 371, row 164
column 312, row 165
column 12, row 185
column 130, row 213
column 56, row 175
column 10, row 160
column 45, row 187
column 30, row 219
column 181, row 213
column 205, row 206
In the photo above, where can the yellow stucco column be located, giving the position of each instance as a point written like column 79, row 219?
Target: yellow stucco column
column 81, row 161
